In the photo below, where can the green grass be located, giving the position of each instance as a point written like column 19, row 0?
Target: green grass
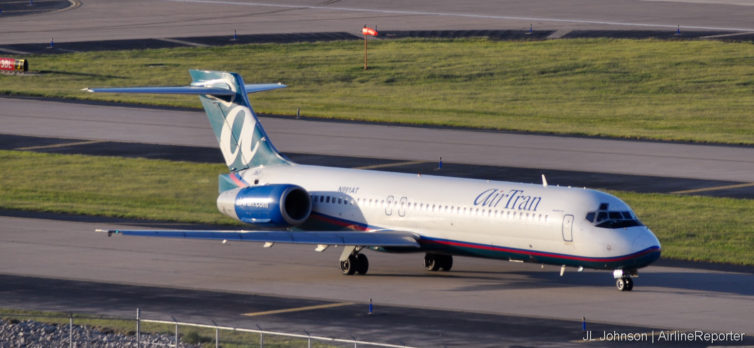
column 698, row 228
column 701, row 91
column 110, row 186
column 689, row 227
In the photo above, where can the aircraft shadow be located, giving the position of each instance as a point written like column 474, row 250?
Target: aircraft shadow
column 730, row 283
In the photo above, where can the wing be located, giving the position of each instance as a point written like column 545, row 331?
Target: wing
column 380, row 238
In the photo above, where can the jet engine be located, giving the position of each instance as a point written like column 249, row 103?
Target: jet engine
column 280, row 205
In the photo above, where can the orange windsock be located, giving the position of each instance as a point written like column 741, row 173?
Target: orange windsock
column 368, row 31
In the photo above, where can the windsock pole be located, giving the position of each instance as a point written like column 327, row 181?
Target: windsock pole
column 365, row 52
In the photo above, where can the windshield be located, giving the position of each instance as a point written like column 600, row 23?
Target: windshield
column 605, row 218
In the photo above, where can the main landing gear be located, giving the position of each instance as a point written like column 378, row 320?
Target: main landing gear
column 623, row 279
column 351, row 261
column 436, row 262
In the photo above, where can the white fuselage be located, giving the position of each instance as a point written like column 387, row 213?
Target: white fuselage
column 508, row 220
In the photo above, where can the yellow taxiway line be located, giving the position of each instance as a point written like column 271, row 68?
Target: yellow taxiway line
column 298, row 309
column 715, row 188
column 388, row 165
column 54, row 146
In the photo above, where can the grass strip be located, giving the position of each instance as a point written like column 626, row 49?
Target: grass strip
column 695, row 228
column 111, row 186
column 697, row 91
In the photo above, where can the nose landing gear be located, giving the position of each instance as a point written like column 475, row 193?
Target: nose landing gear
column 623, row 279
column 624, row 284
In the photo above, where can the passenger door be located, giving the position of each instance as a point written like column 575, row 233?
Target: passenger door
column 568, row 228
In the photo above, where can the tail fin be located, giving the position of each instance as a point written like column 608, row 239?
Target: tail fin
column 242, row 139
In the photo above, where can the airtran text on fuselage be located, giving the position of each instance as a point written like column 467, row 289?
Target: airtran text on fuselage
column 511, row 199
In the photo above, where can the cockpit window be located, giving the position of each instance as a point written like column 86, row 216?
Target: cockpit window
column 590, row 216
column 601, row 216
column 612, row 219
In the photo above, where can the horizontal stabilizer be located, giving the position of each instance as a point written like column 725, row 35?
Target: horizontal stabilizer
column 164, row 90
column 378, row 238
column 261, row 87
column 200, row 90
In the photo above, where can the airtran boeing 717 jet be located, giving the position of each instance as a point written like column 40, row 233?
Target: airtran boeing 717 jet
column 358, row 210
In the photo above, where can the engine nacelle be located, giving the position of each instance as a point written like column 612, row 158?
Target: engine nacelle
column 281, row 205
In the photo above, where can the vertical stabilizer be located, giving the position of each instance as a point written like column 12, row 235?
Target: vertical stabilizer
column 242, row 139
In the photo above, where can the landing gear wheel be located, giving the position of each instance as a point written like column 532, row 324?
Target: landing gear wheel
column 435, row 262
column 432, row 262
column 362, row 264
column 624, row 284
column 446, row 262
column 620, row 283
column 348, row 267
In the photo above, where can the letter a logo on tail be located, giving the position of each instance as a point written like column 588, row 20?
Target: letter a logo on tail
column 232, row 145
column 242, row 139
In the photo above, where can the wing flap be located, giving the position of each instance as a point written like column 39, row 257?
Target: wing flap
column 386, row 238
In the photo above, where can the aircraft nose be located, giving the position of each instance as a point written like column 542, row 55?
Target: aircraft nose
column 645, row 240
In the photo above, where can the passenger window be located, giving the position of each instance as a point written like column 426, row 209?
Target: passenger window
column 327, row 200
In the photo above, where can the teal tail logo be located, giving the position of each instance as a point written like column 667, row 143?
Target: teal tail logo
column 243, row 141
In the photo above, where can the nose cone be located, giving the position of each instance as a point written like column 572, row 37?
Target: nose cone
column 647, row 244
column 645, row 239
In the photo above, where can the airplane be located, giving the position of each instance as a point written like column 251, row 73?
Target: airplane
column 360, row 210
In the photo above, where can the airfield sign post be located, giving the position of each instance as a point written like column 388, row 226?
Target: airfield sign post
column 367, row 31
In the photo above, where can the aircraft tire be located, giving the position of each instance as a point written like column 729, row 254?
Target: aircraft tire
column 348, row 267
column 362, row 264
column 432, row 262
column 446, row 262
column 624, row 284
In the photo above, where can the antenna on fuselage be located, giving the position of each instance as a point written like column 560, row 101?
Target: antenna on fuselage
column 544, row 181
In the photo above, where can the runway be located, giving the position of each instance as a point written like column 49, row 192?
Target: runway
column 503, row 302
column 142, row 19
column 402, row 143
